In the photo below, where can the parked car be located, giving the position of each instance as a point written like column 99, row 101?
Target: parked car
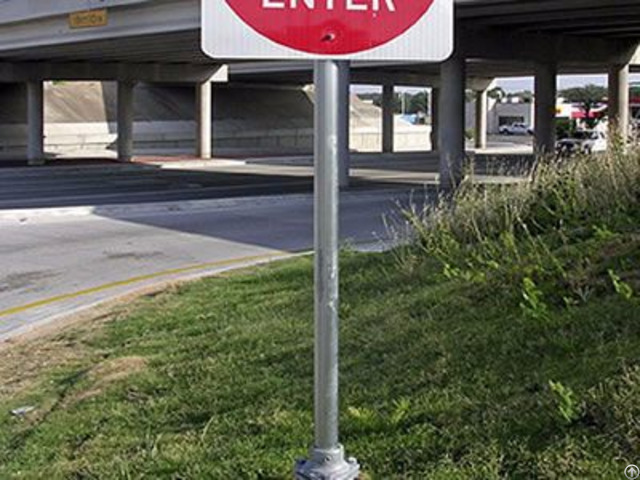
column 582, row 141
column 515, row 129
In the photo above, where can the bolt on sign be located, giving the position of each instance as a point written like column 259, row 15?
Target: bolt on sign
column 394, row 30
column 89, row 19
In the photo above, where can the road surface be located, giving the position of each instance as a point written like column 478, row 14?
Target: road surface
column 136, row 183
column 52, row 266
column 104, row 184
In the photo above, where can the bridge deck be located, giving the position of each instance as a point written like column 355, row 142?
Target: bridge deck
column 167, row 32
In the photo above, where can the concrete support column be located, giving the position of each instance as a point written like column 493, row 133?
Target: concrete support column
column 435, row 105
column 619, row 100
column 204, row 116
column 451, row 139
column 388, row 97
column 125, row 121
column 35, row 123
column 344, row 109
column 545, row 107
column 481, row 119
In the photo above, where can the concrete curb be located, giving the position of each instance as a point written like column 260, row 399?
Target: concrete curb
column 135, row 291
column 184, row 164
column 42, row 327
column 357, row 160
column 151, row 165
column 131, row 210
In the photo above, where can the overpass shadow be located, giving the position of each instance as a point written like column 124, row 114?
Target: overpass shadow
column 260, row 205
column 275, row 210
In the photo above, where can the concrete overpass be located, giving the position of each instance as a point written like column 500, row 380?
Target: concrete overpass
column 158, row 41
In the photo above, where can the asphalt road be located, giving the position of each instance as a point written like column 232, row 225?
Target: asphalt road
column 55, row 265
column 117, row 184
column 109, row 184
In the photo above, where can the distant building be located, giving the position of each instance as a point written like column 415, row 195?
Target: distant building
column 502, row 113
column 516, row 110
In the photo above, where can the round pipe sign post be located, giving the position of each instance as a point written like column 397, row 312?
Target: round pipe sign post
column 331, row 32
column 327, row 461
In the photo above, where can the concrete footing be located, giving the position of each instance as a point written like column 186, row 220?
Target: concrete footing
column 619, row 100
column 435, row 104
column 125, row 121
column 480, row 135
column 344, row 109
column 451, row 138
column 545, row 107
column 387, row 118
column 35, row 123
column 204, row 114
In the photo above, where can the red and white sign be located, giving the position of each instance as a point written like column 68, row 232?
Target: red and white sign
column 419, row 30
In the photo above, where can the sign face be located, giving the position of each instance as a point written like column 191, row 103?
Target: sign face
column 342, row 29
column 88, row 19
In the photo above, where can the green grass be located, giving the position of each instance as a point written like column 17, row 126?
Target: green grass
column 486, row 352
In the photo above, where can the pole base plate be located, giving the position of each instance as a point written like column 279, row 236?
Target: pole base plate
column 327, row 465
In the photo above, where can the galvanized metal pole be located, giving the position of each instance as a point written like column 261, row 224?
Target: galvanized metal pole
column 327, row 460
column 326, row 260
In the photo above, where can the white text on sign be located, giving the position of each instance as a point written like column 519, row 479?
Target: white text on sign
column 349, row 5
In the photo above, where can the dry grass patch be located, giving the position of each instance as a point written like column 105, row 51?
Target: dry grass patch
column 64, row 343
column 104, row 375
column 22, row 363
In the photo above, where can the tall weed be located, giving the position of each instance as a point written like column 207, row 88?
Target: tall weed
column 523, row 230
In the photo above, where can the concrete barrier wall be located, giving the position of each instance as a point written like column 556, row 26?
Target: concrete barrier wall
column 80, row 120
column 78, row 139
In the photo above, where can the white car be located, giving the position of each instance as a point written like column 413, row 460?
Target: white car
column 582, row 141
column 515, row 129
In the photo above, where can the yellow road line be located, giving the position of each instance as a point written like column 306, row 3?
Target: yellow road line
column 141, row 278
